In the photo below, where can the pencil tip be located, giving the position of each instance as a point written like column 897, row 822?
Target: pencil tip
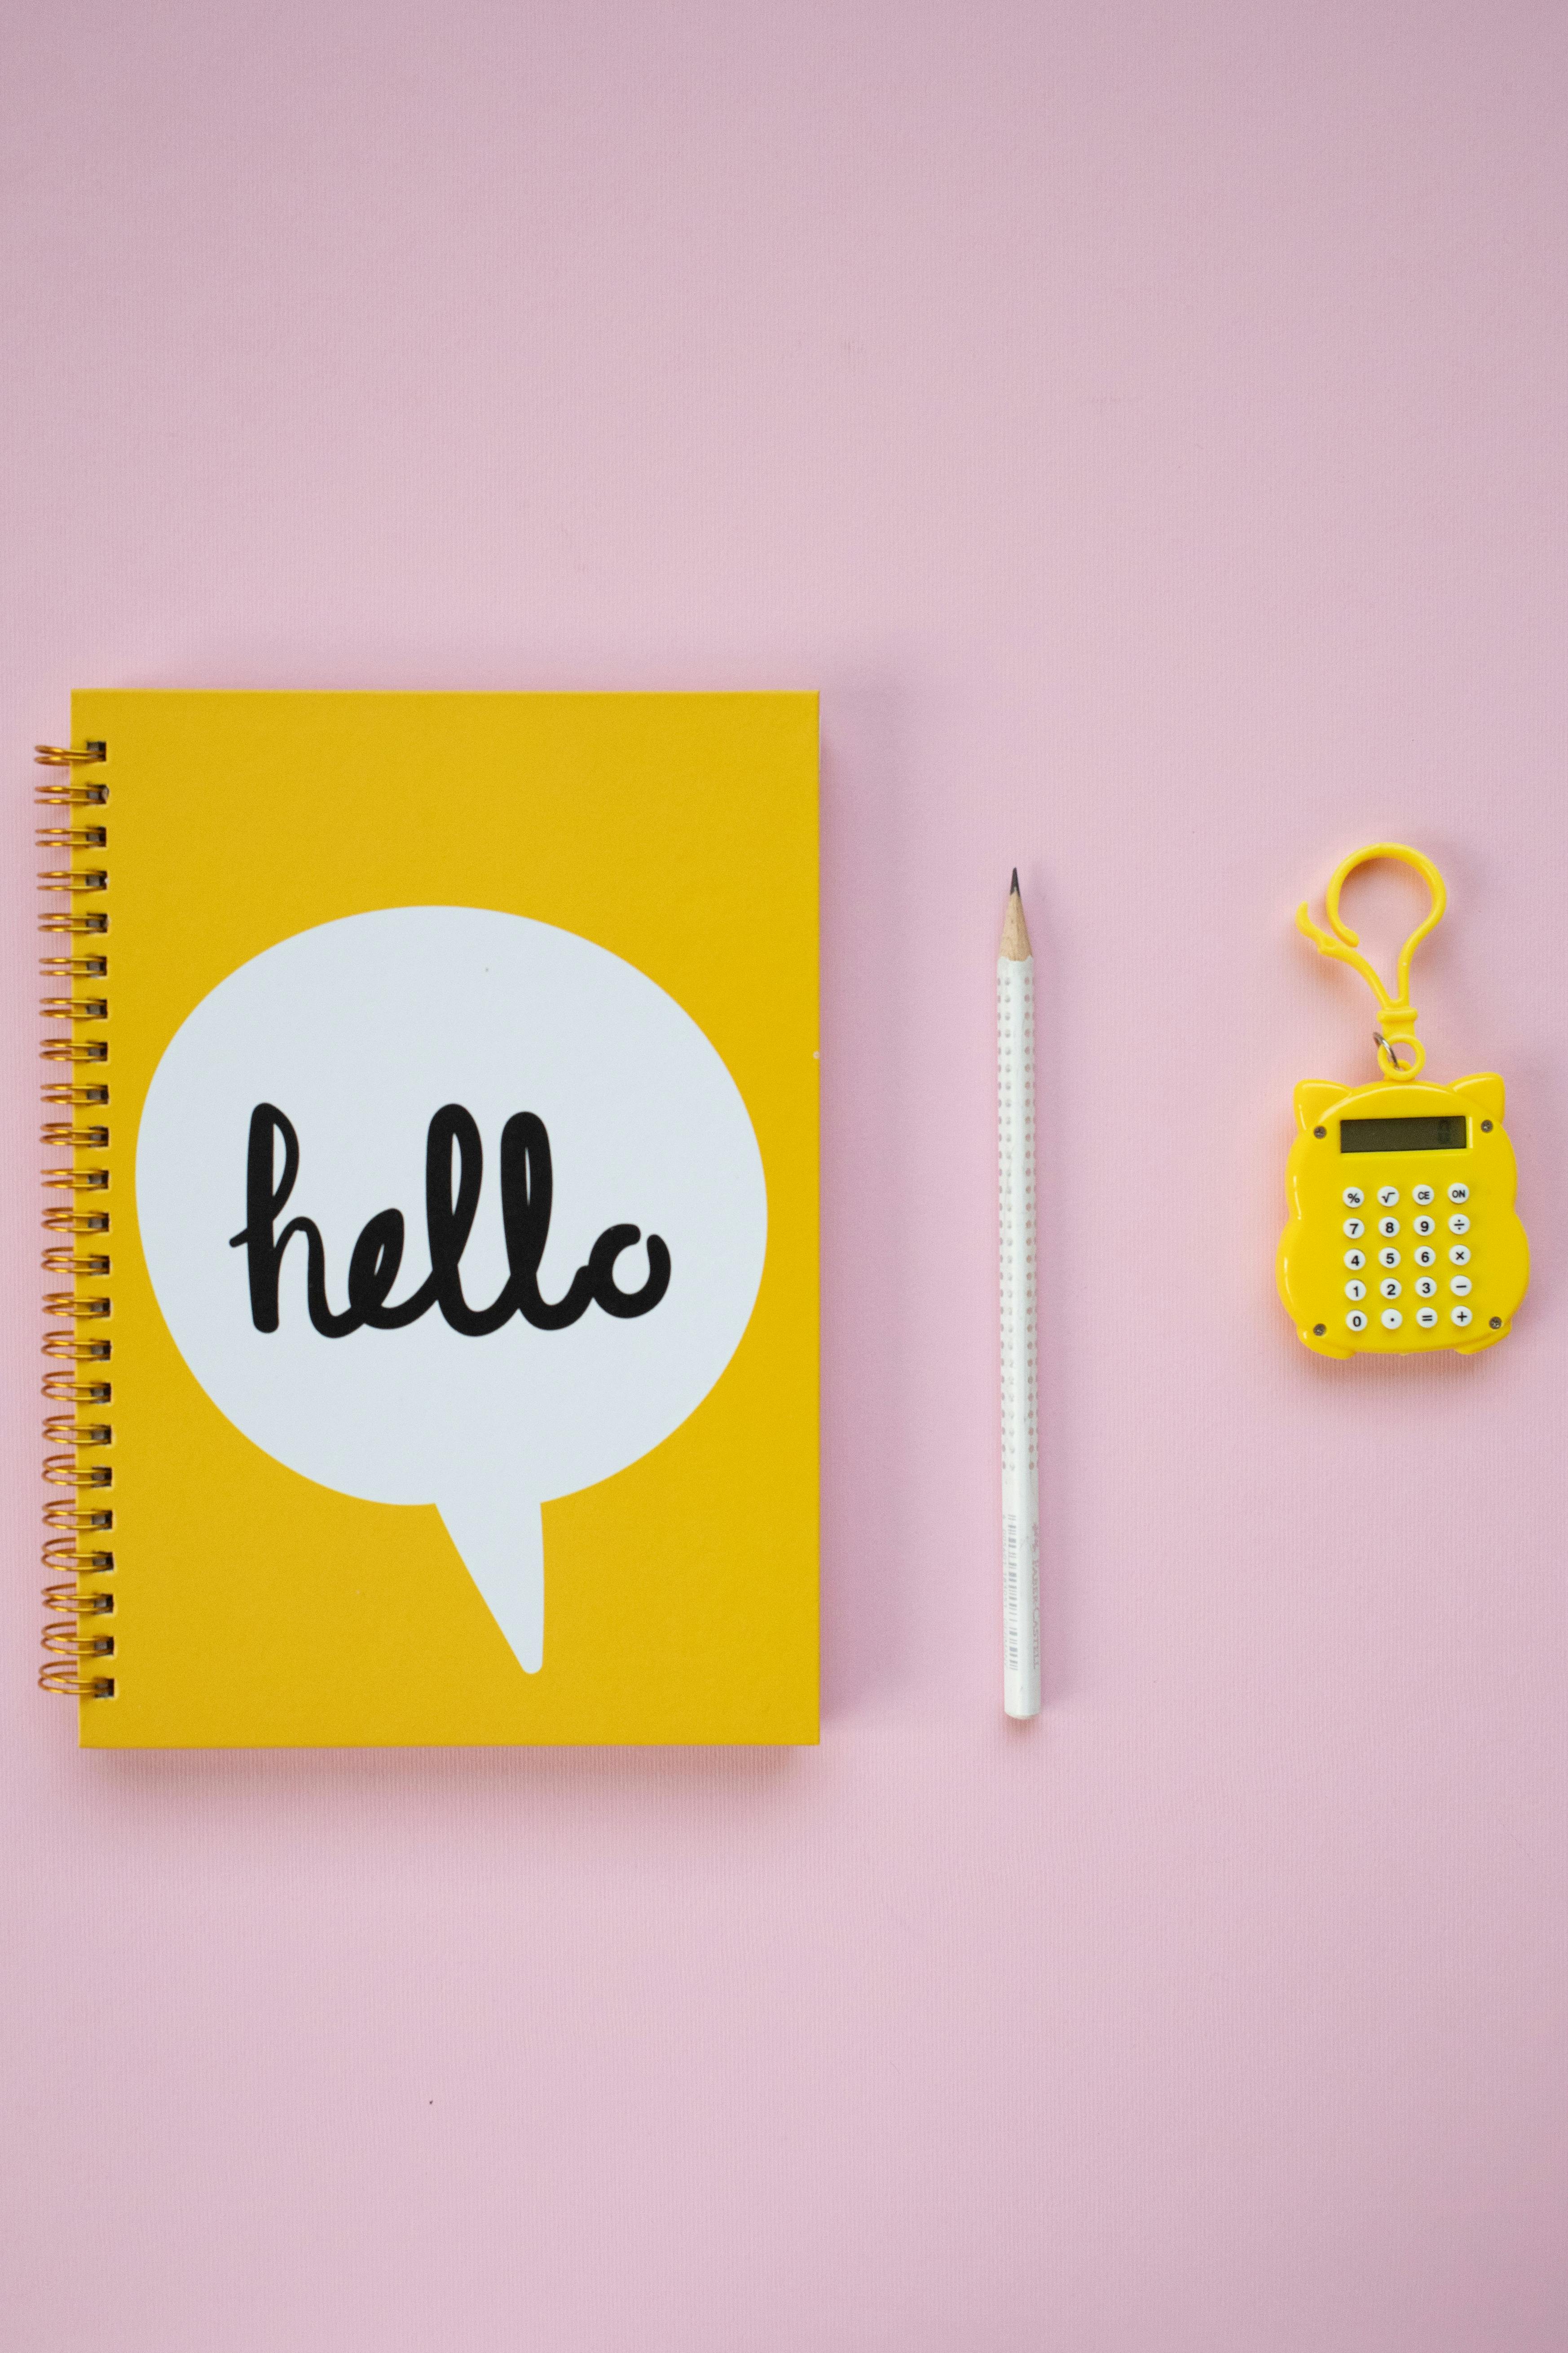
column 1014, row 893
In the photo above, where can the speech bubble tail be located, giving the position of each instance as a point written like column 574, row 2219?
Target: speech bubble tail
column 503, row 1551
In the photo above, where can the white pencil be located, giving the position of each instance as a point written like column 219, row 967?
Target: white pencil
column 1020, row 1447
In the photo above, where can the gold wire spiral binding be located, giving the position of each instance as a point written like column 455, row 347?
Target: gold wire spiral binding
column 76, row 1650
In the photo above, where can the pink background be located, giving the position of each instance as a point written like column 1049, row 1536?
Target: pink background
column 1145, row 423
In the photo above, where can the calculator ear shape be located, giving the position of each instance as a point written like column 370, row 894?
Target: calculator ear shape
column 1314, row 1097
column 1484, row 1092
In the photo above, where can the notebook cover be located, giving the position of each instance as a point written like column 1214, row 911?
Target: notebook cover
column 662, row 849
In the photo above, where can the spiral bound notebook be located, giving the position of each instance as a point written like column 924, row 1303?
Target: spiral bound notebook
column 433, row 1358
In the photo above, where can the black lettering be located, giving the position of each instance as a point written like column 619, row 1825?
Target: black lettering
column 527, row 1194
column 602, row 1264
column 264, row 1256
column 454, row 1176
column 450, row 1222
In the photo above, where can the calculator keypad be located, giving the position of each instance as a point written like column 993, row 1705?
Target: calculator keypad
column 1439, row 1228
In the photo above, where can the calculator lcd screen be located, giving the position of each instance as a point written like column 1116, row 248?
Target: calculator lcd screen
column 1448, row 1132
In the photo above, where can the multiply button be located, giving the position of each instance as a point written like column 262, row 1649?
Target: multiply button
column 1459, row 1255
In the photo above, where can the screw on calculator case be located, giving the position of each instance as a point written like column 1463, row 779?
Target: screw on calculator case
column 1403, row 1236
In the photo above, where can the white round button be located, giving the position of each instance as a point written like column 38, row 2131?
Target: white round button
column 1461, row 1316
column 1425, row 1225
column 1356, row 1320
column 1459, row 1255
column 1355, row 1228
column 1390, row 1319
column 1388, row 1225
column 1352, row 1197
column 1389, row 1287
column 1425, row 1317
column 1388, row 1194
column 1458, row 1192
column 1355, row 1260
column 1387, row 1257
column 1458, row 1223
column 1425, row 1287
column 1461, row 1287
column 1421, row 1195
column 1354, row 1290
column 1425, row 1258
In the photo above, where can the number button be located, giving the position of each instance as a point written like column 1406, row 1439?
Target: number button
column 1426, row 1317
column 1425, row 1287
column 1389, row 1287
column 1387, row 1257
column 1458, row 1223
column 1355, row 1228
column 1461, row 1287
column 1458, row 1192
column 1388, row 1194
column 1356, row 1320
column 1388, row 1225
column 1459, row 1255
column 1461, row 1316
column 1355, row 1260
column 1352, row 1197
column 1354, row 1290
column 1390, row 1319
column 1425, row 1258
column 1425, row 1225
column 1423, row 1196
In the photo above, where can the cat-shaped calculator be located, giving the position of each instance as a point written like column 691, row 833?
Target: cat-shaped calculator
column 1402, row 1234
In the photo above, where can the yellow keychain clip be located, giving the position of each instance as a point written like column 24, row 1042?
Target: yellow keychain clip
column 1403, row 1234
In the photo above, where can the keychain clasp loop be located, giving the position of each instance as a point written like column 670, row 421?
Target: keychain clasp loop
column 1398, row 1025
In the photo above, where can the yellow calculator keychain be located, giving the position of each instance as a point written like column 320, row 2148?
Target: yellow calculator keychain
column 1402, row 1234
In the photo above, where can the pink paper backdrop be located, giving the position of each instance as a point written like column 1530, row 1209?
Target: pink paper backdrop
column 1146, row 424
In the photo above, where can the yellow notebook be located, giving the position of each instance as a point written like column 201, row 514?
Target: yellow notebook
column 435, row 1353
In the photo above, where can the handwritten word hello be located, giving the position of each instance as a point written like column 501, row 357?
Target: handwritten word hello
column 452, row 1147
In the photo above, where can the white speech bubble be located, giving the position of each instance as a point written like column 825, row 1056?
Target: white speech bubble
column 359, row 1033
